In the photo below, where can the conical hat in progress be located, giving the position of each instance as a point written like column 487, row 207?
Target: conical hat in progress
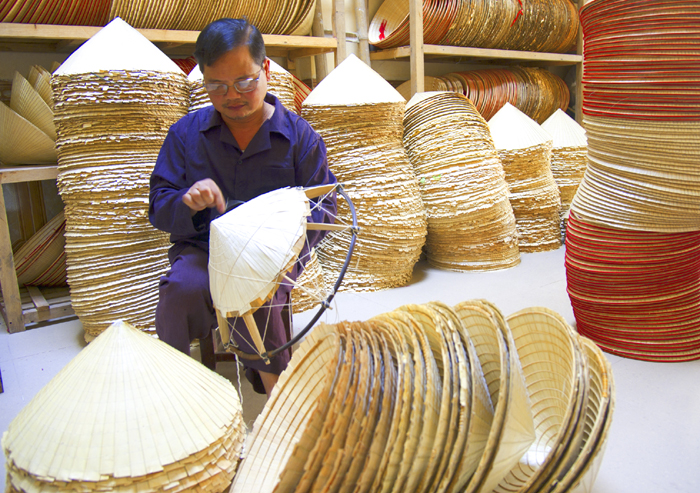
column 29, row 104
column 564, row 130
column 352, row 83
column 114, row 415
column 512, row 129
column 250, row 246
column 117, row 46
column 22, row 142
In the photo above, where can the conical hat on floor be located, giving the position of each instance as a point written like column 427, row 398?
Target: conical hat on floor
column 353, row 82
column 512, row 129
column 564, row 130
column 117, row 46
column 126, row 406
column 250, row 246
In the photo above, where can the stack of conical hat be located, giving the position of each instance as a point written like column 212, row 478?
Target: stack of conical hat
column 470, row 220
column 129, row 413
column 569, row 152
column 434, row 398
column 115, row 99
column 310, row 285
column 281, row 85
column 525, row 151
column 27, row 131
column 360, row 117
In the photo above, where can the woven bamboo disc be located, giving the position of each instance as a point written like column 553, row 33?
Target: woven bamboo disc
column 512, row 429
column 115, row 99
column 123, row 378
column 601, row 404
column 26, row 102
column 288, row 427
column 493, row 19
column 556, row 378
column 41, row 260
column 467, row 454
column 462, row 183
column 443, row 350
column 359, row 115
column 525, row 151
column 21, row 142
column 423, row 419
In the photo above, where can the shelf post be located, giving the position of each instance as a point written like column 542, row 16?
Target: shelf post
column 362, row 36
column 8, row 276
column 416, row 40
column 317, row 30
column 339, row 28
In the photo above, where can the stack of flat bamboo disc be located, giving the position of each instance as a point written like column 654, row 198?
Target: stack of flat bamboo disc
column 269, row 16
column 129, row 413
column 635, row 292
column 525, row 151
column 536, row 25
column 27, row 131
column 64, row 12
column 310, row 286
column 534, row 91
column 430, row 398
column 470, row 220
column 115, row 99
column 640, row 106
column 360, row 117
column 281, row 85
column 569, row 153
column 41, row 260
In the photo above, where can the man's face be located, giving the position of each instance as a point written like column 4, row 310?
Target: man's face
column 232, row 66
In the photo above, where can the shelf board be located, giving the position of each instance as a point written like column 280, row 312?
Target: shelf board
column 440, row 51
column 33, row 172
column 49, row 38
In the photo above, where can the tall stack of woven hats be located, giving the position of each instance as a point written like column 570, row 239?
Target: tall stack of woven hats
column 526, row 151
column 632, row 259
column 470, row 220
column 360, row 117
column 115, row 99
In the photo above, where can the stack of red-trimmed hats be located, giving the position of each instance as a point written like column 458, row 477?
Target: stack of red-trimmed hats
column 634, row 233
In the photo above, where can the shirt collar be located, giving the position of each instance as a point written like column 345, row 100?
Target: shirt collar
column 277, row 123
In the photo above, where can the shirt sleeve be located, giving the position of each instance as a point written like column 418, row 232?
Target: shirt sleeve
column 169, row 183
column 313, row 170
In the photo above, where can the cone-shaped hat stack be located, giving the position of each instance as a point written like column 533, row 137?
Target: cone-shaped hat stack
column 470, row 220
column 129, row 413
column 525, row 151
column 115, row 99
column 41, row 260
column 281, row 85
column 434, row 398
column 27, row 131
column 569, row 153
column 635, row 292
column 360, row 117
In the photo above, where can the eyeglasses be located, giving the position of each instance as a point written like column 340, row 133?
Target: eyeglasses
column 243, row 85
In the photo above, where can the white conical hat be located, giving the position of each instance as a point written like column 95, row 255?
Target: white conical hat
column 513, row 129
column 250, row 246
column 195, row 75
column 126, row 406
column 353, row 83
column 564, row 130
column 117, row 46
column 276, row 67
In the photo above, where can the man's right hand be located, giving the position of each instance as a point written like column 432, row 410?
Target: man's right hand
column 205, row 193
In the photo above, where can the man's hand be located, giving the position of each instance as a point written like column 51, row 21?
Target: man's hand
column 205, row 193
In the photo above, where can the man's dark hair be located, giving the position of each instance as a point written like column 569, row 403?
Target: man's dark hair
column 224, row 35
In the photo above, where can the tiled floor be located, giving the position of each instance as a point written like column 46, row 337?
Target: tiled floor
column 654, row 443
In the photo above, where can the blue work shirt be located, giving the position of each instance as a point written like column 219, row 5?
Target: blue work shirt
column 285, row 152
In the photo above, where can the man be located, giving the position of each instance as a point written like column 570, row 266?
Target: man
column 245, row 145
